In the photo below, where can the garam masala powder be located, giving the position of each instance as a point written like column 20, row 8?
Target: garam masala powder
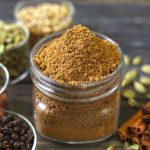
column 77, row 57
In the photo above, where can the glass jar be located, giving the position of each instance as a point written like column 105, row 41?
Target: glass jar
column 75, row 114
column 4, row 80
column 37, row 33
column 4, row 112
column 16, row 58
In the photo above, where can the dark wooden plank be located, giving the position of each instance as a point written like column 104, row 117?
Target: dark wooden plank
column 127, row 24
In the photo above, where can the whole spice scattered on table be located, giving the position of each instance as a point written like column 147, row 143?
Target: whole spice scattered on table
column 127, row 146
column 111, row 147
column 136, row 81
column 137, row 129
column 45, row 18
column 146, row 68
column 137, row 60
column 13, row 48
column 15, row 134
column 78, row 56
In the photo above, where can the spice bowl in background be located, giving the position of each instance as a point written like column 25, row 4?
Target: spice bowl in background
column 4, row 81
column 44, row 18
column 16, row 131
column 83, row 113
column 14, row 49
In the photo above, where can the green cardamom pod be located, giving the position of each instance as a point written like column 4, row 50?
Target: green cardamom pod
column 146, row 68
column 144, row 80
column 137, row 60
column 133, row 103
column 129, row 93
column 139, row 87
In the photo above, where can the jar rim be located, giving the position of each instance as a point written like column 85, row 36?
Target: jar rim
column 80, row 85
column 6, row 73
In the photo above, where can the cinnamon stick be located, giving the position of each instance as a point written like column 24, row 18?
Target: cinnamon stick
column 143, row 147
column 136, row 140
column 138, row 127
column 122, row 131
column 146, row 136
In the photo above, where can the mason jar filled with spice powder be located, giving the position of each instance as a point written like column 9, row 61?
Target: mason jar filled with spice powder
column 4, row 80
column 76, row 77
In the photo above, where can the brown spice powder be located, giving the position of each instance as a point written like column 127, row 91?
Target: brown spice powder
column 78, row 56
column 68, row 121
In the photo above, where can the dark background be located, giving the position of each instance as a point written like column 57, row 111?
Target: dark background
column 127, row 22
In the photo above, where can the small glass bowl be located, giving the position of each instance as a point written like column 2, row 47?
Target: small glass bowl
column 4, row 112
column 16, row 59
column 4, row 81
column 35, row 37
column 4, row 78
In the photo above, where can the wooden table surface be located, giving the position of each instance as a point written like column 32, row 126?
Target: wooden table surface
column 127, row 24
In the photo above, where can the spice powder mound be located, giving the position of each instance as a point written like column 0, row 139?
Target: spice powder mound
column 78, row 56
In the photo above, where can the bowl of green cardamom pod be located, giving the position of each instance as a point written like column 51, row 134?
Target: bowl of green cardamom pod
column 14, row 49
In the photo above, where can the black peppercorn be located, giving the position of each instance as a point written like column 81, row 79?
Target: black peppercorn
column 15, row 134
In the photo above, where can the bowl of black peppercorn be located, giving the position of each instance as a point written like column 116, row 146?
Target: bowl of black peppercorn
column 16, row 132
